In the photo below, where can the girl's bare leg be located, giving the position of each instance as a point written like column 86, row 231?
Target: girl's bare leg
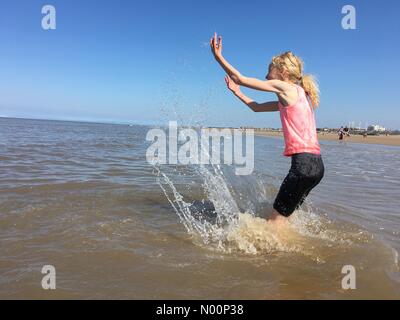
column 277, row 219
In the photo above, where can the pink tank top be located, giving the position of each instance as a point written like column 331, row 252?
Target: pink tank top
column 299, row 129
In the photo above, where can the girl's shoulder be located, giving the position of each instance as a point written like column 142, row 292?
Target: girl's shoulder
column 291, row 97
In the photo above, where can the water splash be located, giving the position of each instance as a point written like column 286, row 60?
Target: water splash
column 216, row 190
column 235, row 230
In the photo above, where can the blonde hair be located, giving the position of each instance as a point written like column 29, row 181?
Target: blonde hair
column 291, row 66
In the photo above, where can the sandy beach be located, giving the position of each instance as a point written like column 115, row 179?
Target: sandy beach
column 390, row 140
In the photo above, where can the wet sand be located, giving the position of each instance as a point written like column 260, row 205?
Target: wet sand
column 390, row 140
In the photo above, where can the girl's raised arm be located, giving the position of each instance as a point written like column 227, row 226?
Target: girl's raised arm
column 275, row 86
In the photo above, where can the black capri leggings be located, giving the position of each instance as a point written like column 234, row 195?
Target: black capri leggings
column 306, row 172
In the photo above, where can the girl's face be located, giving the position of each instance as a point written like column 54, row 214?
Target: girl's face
column 273, row 74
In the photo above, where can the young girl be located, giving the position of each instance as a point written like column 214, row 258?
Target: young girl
column 298, row 96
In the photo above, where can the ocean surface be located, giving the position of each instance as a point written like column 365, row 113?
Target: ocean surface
column 82, row 198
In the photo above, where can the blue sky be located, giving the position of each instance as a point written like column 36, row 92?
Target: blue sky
column 149, row 61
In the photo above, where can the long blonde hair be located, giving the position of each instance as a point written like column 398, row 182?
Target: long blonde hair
column 291, row 67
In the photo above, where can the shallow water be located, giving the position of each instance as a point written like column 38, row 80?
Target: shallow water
column 82, row 197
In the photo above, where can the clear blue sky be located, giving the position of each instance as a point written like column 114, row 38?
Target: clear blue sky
column 132, row 60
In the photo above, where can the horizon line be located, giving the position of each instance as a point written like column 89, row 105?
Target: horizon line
column 138, row 123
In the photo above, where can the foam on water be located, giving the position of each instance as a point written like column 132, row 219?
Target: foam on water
column 237, row 231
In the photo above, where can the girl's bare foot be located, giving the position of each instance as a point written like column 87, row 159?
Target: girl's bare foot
column 277, row 219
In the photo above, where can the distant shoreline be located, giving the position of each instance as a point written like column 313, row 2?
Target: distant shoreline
column 80, row 121
column 389, row 140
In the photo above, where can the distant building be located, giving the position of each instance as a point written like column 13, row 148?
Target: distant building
column 376, row 128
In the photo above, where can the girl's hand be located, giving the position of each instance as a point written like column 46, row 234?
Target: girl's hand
column 216, row 45
column 235, row 88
